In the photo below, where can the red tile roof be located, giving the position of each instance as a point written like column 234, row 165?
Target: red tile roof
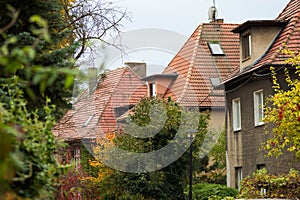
column 94, row 114
column 195, row 65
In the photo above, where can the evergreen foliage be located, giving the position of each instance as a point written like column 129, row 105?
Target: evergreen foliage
column 53, row 52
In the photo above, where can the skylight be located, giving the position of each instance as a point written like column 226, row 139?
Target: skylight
column 88, row 121
column 215, row 49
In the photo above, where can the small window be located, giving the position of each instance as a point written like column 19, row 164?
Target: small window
column 258, row 98
column 215, row 49
column 246, row 46
column 236, row 114
column 152, row 89
column 238, row 177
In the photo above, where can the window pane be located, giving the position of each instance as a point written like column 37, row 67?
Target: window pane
column 246, row 46
column 215, row 49
column 258, row 108
column 238, row 177
column 236, row 114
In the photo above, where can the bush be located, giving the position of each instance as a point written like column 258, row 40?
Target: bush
column 202, row 191
column 264, row 185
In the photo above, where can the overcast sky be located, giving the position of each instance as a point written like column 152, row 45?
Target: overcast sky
column 166, row 24
column 184, row 16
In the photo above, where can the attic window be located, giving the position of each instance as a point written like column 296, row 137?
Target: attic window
column 215, row 49
column 246, row 46
column 88, row 121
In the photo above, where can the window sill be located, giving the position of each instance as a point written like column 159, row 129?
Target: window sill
column 237, row 130
column 259, row 124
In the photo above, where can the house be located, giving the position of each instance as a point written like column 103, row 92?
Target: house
column 96, row 110
column 261, row 42
column 207, row 58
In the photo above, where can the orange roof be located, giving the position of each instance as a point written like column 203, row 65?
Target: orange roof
column 195, row 65
column 95, row 114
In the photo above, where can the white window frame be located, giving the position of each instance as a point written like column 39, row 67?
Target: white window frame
column 258, row 99
column 152, row 89
column 216, row 49
column 236, row 114
column 239, row 177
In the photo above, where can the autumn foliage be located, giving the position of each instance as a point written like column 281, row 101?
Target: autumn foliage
column 283, row 111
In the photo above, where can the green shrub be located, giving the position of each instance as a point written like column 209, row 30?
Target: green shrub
column 202, row 191
column 264, row 185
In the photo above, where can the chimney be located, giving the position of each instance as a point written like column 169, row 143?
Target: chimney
column 219, row 21
column 92, row 78
column 139, row 68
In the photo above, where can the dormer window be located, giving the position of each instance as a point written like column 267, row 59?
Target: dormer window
column 246, row 46
column 152, row 89
column 215, row 49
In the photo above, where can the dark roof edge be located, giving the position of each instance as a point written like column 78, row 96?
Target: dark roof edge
column 155, row 76
column 251, row 23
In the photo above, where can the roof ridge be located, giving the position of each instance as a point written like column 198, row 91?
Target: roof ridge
column 224, row 23
column 183, row 46
column 191, row 66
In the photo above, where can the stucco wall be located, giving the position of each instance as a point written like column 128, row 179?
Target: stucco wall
column 243, row 147
column 261, row 38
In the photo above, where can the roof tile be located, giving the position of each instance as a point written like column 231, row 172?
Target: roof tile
column 93, row 115
column 195, row 65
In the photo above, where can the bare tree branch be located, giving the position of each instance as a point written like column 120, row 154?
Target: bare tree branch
column 93, row 19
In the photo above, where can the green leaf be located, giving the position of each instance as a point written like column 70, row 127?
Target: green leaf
column 69, row 81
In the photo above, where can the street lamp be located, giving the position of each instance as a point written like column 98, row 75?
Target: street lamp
column 191, row 133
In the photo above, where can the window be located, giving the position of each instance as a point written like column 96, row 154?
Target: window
column 246, row 46
column 215, row 49
column 238, row 177
column 77, row 157
column 236, row 114
column 258, row 97
column 152, row 89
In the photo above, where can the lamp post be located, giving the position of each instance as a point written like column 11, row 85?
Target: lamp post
column 191, row 133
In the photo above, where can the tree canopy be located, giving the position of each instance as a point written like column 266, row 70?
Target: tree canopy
column 165, row 183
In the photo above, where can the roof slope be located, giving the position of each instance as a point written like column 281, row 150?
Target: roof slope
column 195, row 65
column 94, row 114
